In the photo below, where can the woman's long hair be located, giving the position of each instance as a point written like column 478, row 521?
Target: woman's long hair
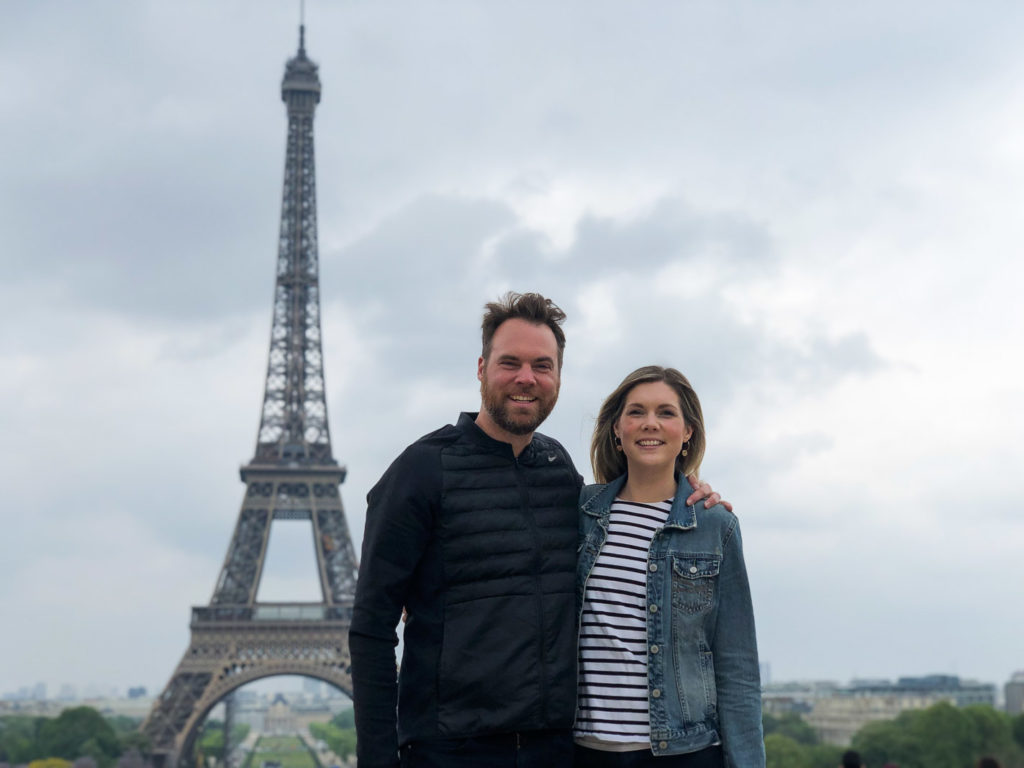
column 607, row 461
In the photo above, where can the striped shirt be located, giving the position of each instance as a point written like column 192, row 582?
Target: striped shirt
column 613, row 629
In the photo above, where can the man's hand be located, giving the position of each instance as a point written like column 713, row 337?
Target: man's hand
column 703, row 491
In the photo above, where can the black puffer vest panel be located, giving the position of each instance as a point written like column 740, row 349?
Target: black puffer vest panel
column 507, row 527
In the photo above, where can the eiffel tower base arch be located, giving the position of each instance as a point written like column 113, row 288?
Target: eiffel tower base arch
column 225, row 655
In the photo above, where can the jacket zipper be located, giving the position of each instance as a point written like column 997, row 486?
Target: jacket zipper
column 524, row 497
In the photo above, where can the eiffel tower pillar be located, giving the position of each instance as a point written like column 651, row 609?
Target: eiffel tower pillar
column 229, row 729
column 292, row 476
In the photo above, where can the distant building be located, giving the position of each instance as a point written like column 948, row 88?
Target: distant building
column 836, row 715
column 279, row 719
column 67, row 692
column 136, row 708
column 942, row 687
column 269, row 713
column 838, row 718
column 1014, row 693
column 137, row 692
column 795, row 696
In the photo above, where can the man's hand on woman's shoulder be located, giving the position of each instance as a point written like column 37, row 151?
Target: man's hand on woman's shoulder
column 703, row 491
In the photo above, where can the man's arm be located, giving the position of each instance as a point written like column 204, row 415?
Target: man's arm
column 399, row 523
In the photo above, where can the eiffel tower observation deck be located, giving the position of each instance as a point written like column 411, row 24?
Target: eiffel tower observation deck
column 292, row 476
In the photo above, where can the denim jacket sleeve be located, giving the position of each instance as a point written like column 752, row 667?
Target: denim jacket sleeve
column 737, row 674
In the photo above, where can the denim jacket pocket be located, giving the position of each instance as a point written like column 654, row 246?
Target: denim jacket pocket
column 693, row 582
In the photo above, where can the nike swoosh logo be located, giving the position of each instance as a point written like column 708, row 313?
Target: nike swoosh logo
column 552, row 457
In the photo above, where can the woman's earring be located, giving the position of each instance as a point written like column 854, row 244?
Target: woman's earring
column 618, row 443
column 685, row 446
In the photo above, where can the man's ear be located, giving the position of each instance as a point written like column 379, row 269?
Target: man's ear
column 481, row 365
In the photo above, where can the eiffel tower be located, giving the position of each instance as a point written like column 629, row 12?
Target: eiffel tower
column 292, row 476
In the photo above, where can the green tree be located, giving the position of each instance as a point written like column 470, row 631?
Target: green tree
column 345, row 719
column 50, row 762
column 211, row 738
column 825, row 755
column 944, row 734
column 1017, row 727
column 78, row 732
column 885, row 741
column 341, row 741
column 792, row 725
column 18, row 738
column 123, row 724
column 783, row 752
column 992, row 734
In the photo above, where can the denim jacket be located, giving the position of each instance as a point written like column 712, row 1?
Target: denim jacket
column 702, row 672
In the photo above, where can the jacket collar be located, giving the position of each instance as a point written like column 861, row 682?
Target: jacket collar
column 468, row 426
column 682, row 515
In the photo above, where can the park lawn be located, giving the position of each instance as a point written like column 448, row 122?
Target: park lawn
column 289, row 751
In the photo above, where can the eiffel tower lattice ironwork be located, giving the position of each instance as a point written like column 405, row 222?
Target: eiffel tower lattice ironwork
column 293, row 476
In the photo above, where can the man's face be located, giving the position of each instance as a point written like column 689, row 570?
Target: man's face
column 520, row 379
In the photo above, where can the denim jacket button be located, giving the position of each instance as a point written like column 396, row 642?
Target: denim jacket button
column 654, row 649
column 656, row 693
column 693, row 569
column 652, row 567
column 662, row 745
column 654, row 608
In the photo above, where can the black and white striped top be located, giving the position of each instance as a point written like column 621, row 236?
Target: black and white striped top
column 613, row 630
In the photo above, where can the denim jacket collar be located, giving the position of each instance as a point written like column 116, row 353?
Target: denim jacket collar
column 682, row 515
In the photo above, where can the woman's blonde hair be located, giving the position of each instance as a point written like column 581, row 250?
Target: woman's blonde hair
column 607, row 461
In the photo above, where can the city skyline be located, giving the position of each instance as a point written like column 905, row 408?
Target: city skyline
column 808, row 211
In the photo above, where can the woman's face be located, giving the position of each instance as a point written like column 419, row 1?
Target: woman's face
column 652, row 427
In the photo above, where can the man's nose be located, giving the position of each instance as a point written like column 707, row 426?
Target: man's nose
column 525, row 375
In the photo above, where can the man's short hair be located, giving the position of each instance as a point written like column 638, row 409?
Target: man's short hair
column 851, row 759
column 531, row 307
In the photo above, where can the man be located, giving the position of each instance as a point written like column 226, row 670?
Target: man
column 851, row 759
column 472, row 530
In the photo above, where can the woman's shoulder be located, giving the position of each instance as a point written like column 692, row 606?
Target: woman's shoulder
column 590, row 491
column 717, row 518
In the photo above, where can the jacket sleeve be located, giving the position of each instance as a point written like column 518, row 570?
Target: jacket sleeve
column 734, row 649
column 399, row 524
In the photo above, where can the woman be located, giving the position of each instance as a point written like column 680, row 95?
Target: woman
column 668, row 658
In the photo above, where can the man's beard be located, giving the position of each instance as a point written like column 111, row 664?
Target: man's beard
column 497, row 407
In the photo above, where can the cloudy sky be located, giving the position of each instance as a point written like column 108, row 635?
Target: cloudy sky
column 813, row 210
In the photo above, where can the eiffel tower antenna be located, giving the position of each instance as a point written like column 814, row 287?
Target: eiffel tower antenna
column 292, row 476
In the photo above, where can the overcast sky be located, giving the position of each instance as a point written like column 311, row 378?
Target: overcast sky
column 812, row 210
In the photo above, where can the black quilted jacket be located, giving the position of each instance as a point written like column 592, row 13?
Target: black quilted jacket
column 480, row 547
